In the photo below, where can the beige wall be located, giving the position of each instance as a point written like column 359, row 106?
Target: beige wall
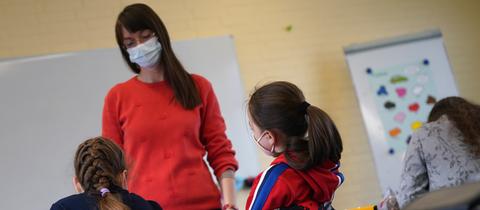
column 310, row 55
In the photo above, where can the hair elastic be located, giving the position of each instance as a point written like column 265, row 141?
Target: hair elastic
column 104, row 190
column 303, row 107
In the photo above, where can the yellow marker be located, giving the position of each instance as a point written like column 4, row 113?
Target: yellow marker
column 416, row 125
column 369, row 207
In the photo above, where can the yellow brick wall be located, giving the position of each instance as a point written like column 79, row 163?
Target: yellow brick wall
column 310, row 55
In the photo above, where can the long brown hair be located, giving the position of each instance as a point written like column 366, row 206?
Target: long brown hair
column 464, row 115
column 98, row 163
column 312, row 136
column 137, row 17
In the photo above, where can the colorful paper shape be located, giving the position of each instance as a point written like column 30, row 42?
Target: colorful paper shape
column 401, row 92
column 288, row 28
column 411, row 70
column 431, row 100
column 394, row 132
column 398, row 79
column 422, row 79
column 382, row 91
column 389, row 105
column 414, row 107
column 400, row 117
column 416, row 125
column 417, row 90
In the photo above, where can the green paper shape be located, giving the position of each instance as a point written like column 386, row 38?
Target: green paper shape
column 289, row 28
column 398, row 79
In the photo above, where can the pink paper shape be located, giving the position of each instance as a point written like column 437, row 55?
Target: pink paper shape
column 400, row 117
column 401, row 92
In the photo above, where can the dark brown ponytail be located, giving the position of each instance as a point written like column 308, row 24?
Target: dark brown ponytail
column 98, row 163
column 311, row 136
column 323, row 137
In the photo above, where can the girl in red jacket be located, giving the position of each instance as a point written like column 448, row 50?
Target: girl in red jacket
column 306, row 146
column 166, row 120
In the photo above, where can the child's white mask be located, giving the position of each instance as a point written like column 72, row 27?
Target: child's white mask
column 269, row 152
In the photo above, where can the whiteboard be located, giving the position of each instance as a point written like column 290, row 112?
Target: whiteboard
column 397, row 80
column 49, row 104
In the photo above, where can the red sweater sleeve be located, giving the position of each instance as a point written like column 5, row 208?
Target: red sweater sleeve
column 220, row 154
column 110, row 121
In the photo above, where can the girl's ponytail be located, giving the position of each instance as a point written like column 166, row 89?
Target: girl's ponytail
column 324, row 141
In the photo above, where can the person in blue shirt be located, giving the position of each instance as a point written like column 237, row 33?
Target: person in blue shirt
column 101, row 180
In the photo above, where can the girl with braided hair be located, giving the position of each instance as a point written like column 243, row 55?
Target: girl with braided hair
column 100, row 179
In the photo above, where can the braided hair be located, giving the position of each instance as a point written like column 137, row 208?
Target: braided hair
column 98, row 163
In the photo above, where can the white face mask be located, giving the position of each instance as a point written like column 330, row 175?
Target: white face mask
column 146, row 54
column 269, row 152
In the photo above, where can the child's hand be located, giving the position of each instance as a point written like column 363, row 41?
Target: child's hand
column 229, row 207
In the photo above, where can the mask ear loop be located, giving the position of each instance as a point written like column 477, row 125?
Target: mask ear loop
column 260, row 138
column 273, row 149
column 273, row 146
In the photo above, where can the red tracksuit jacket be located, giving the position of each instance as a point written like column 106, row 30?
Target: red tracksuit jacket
column 311, row 189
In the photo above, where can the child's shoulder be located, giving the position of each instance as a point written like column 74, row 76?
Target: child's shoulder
column 274, row 187
column 282, row 175
column 77, row 201
column 292, row 179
